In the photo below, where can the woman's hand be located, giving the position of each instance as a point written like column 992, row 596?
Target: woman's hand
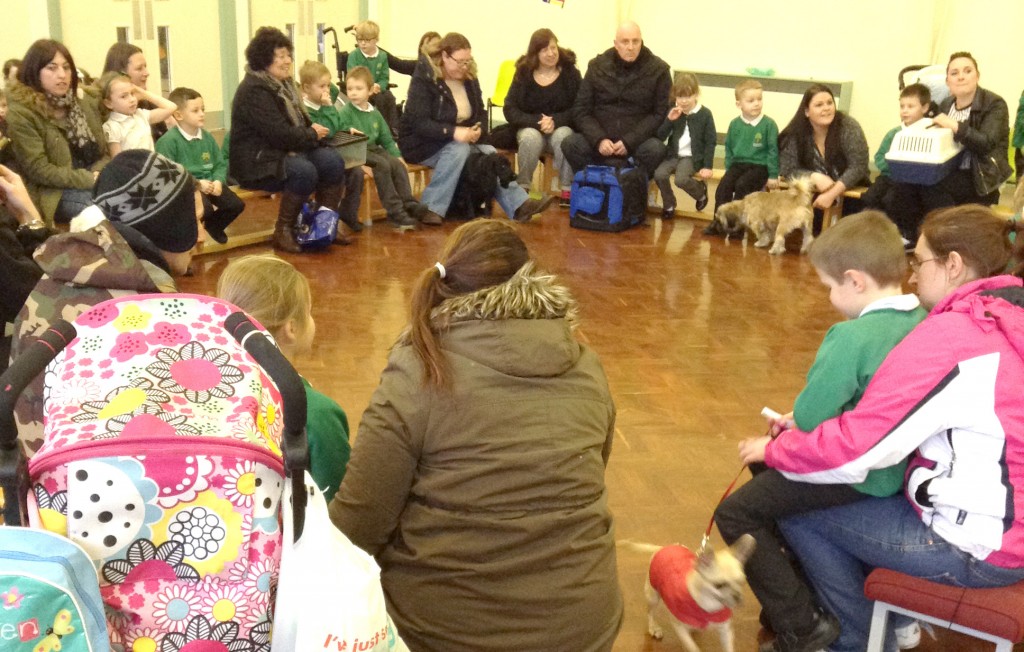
column 777, row 426
column 467, row 134
column 752, row 450
column 822, row 182
column 547, row 124
column 321, row 131
column 606, row 147
column 14, row 195
column 946, row 122
column 824, row 200
column 704, row 173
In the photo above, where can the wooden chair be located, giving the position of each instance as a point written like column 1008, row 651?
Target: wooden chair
column 995, row 615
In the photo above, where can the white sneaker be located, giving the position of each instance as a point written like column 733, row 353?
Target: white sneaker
column 908, row 636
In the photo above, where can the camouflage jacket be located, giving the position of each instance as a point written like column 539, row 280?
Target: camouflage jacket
column 80, row 270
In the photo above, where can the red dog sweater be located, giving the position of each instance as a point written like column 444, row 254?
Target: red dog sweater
column 668, row 577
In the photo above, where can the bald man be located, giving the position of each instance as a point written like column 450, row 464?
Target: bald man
column 623, row 99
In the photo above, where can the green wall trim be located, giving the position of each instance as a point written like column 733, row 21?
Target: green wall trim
column 228, row 55
column 53, row 15
column 364, row 9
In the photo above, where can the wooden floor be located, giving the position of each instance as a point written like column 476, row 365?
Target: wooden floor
column 696, row 335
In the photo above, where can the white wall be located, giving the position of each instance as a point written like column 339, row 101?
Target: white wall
column 866, row 42
column 497, row 29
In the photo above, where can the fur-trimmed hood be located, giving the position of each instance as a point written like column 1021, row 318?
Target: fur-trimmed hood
column 522, row 327
column 528, row 294
column 32, row 99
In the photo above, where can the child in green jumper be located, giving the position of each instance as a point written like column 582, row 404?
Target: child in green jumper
column 383, row 161
column 862, row 262
column 915, row 101
column 751, row 151
column 278, row 296
column 382, row 154
column 194, row 148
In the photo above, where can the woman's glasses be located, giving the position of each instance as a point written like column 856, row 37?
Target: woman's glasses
column 461, row 63
column 915, row 264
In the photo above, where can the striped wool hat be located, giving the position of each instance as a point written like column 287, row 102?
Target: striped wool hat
column 153, row 195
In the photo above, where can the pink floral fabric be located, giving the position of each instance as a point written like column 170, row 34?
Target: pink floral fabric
column 162, row 460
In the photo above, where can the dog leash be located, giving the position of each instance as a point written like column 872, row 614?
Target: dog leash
column 711, row 522
column 707, row 532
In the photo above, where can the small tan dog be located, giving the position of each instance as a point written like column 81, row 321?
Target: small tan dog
column 691, row 592
column 772, row 215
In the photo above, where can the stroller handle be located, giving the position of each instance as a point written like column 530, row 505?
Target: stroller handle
column 24, row 369
column 293, row 399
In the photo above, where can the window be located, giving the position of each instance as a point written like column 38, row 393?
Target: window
column 321, row 46
column 122, row 34
column 289, row 29
column 164, row 42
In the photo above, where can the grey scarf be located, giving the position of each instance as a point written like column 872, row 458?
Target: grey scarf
column 76, row 127
column 287, row 91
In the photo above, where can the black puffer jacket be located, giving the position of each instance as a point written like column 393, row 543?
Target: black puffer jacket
column 262, row 135
column 986, row 134
column 623, row 101
column 428, row 122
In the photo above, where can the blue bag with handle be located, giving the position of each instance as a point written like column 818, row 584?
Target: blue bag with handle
column 608, row 197
column 317, row 226
column 49, row 595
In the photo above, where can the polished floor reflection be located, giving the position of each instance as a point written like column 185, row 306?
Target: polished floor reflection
column 696, row 335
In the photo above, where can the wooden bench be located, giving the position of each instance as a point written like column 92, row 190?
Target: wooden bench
column 254, row 226
column 369, row 203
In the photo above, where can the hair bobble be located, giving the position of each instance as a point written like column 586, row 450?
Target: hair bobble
column 440, row 269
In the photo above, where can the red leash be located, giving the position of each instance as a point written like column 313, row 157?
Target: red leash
column 711, row 521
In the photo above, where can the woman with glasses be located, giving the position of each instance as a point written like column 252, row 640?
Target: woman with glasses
column 949, row 397
column 443, row 121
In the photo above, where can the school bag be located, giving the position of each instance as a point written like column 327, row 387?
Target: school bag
column 608, row 197
column 161, row 459
column 49, row 595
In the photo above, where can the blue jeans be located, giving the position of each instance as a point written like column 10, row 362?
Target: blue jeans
column 838, row 547
column 448, row 163
column 306, row 171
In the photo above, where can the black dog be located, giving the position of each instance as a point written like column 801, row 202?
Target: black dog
column 481, row 176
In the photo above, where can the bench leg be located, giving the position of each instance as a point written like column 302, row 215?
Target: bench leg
column 879, row 617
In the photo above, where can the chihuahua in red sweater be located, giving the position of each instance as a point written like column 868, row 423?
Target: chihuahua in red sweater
column 693, row 592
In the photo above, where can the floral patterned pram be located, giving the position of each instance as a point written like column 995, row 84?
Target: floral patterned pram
column 162, row 460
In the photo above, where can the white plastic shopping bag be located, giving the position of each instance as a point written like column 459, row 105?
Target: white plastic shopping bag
column 329, row 596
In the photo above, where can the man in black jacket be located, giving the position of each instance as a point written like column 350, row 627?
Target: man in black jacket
column 622, row 101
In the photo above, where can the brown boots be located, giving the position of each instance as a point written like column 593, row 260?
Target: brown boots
column 287, row 216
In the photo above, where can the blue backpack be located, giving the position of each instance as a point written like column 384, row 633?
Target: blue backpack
column 49, row 595
column 608, row 198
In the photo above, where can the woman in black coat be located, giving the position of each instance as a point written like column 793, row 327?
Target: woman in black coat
column 539, row 105
column 980, row 121
column 275, row 147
